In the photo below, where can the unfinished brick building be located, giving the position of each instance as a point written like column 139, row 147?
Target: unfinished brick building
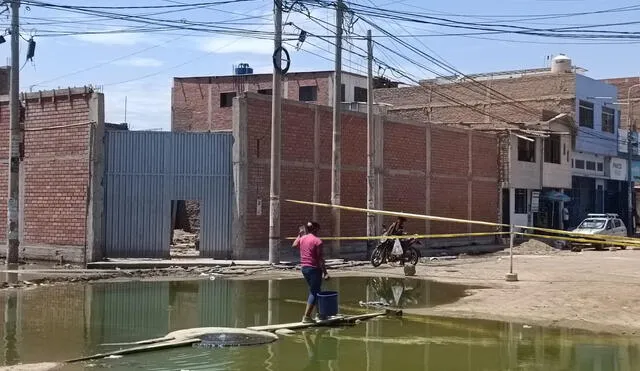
column 421, row 169
column 575, row 156
column 57, row 189
column 629, row 95
column 204, row 103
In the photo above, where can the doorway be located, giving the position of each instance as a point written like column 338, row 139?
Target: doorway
column 185, row 228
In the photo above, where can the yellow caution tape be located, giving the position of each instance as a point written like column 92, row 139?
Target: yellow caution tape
column 579, row 240
column 603, row 238
column 418, row 236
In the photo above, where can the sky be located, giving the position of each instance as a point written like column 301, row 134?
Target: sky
column 139, row 67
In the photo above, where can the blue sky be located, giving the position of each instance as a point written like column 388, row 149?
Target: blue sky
column 140, row 66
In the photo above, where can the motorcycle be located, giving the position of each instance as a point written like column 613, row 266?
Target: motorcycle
column 383, row 253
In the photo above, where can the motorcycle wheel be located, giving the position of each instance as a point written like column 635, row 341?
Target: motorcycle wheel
column 412, row 255
column 376, row 256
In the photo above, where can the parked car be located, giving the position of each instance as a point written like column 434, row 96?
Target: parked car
column 599, row 224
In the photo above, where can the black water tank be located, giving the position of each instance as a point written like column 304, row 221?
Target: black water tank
column 244, row 69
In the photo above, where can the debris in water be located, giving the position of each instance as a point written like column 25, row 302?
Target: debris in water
column 285, row 331
column 526, row 326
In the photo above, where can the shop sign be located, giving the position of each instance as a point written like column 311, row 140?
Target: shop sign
column 618, row 169
column 535, row 200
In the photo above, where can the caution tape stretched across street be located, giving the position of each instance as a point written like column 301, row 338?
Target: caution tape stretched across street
column 572, row 236
column 418, row 236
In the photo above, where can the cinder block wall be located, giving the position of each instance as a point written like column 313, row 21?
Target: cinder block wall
column 425, row 169
column 55, row 190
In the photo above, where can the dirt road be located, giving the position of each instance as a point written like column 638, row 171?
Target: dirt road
column 593, row 290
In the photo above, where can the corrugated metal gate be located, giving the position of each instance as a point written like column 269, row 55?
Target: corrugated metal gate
column 145, row 171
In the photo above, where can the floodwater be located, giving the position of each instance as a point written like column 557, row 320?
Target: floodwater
column 62, row 322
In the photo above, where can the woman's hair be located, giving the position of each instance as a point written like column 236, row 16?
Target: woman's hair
column 312, row 227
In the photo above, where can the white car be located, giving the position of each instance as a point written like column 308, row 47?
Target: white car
column 600, row 224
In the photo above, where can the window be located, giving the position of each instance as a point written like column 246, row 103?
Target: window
column 526, row 150
column 265, row 91
column 600, row 166
column 552, row 146
column 359, row 94
column 617, row 223
column 520, row 203
column 608, row 119
column 586, row 114
column 308, row 93
column 591, row 165
column 579, row 164
column 343, row 95
column 609, row 225
column 226, row 99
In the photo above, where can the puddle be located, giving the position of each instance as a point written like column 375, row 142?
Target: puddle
column 64, row 322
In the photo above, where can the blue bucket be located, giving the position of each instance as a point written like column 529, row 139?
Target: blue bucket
column 327, row 304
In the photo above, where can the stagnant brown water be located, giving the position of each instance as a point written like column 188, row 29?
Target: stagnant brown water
column 58, row 323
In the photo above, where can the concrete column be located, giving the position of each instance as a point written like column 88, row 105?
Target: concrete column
column 470, row 181
column 210, row 107
column 379, row 168
column 240, row 177
column 94, row 249
column 316, row 160
column 21, row 199
column 427, row 206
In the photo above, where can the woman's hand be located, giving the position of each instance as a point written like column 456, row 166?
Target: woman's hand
column 325, row 275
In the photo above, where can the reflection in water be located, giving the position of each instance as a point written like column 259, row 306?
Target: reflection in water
column 397, row 292
column 10, row 327
column 63, row 322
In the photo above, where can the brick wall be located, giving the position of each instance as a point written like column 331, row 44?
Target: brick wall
column 623, row 84
column 457, row 176
column 54, row 172
column 196, row 106
column 528, row 97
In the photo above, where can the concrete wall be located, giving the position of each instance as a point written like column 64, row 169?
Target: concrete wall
column 350, row 81
column 559, row 175
column 422, row 169
column 57, row 190
column 525, row 174
column 600, row 94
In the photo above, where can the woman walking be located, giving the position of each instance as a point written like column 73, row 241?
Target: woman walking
column 313, row 267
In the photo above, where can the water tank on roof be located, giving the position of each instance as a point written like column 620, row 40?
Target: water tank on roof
column 243, row 69
column 561, row 64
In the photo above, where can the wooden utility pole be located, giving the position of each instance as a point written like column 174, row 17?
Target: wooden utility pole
column 336, row 165
column 15, row 141
column 276, row 126
column 371, row 181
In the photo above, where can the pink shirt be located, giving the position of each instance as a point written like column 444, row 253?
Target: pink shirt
column 310, row 250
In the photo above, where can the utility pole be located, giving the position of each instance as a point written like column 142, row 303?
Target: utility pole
column 336, row 165
column 631, row 225
column 371, row 188
column 13, row 237
column 276, row 126
column 631, row 127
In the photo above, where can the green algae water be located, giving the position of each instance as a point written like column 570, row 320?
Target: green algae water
column 63, row 322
